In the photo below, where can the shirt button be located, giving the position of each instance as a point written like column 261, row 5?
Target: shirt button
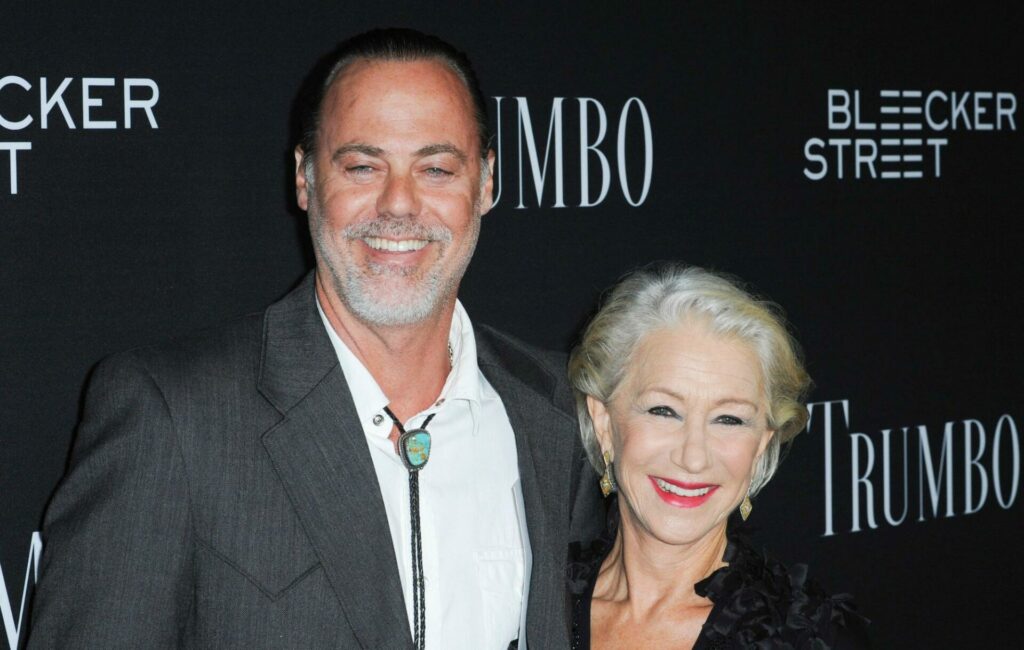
column 377, row 419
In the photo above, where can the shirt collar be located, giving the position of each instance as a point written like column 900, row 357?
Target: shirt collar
column 464, row 379
column 369, row 399
column 462, row 383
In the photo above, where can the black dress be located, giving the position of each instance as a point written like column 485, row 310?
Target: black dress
column 758, row 602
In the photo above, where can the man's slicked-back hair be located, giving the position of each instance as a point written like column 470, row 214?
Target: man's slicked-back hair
column 392, row 44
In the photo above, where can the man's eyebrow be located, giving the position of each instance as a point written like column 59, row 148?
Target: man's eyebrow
column 356, row 147
column 434, row 149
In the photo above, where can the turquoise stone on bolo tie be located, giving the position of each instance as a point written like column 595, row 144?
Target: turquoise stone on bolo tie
column 414, row 448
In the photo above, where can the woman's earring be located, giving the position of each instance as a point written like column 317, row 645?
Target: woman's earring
column 607, row 479
column 746, row 507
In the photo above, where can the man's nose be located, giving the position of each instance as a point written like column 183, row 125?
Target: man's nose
column 398, row 197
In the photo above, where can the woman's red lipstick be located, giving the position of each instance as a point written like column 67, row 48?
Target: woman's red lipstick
column 680, row 500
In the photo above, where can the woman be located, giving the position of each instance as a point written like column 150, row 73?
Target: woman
column 687, row 387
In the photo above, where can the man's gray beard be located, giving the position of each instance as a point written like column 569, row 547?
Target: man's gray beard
column 409, row 301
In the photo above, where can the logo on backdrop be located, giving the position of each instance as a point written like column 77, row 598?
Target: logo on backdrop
column 13, row 627
column 901, row 133
column 963, row 469
column 87, row 103
column 530, row 168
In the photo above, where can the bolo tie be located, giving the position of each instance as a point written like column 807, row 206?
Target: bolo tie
column 414, row 450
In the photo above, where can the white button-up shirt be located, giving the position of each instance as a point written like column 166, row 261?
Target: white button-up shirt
column 475, row 546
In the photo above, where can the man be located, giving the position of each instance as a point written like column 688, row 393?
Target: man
column 249, row 487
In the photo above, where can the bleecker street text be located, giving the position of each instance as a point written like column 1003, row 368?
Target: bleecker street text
column 903, row 134
column 86, row 103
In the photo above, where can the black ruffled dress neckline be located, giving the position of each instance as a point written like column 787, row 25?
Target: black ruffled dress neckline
column 757, row 601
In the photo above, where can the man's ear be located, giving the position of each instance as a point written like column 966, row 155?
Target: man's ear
column 301, row 182
column 487, row 191
column 602, row 422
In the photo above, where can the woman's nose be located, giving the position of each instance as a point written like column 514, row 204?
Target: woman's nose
column 692, row 453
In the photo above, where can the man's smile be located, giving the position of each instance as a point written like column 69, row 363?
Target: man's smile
column 394, row 245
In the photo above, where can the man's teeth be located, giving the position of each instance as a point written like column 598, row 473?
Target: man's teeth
column 683, row 492
column 393, row 246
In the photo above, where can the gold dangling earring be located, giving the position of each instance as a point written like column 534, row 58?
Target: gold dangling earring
column 607, row 479
column 746, row 507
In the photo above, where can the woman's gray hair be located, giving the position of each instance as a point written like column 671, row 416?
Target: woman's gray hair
column 657, row 298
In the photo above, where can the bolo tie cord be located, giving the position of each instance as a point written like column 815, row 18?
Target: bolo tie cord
column 419, row 596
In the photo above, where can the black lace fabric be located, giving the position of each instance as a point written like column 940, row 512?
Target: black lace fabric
column 758, row 601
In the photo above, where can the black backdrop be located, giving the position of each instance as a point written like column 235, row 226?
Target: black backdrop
column 903, row 290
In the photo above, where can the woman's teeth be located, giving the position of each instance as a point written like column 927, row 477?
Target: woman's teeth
column 683, row 492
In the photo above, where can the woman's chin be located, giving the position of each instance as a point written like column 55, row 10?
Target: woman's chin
column 676, row 526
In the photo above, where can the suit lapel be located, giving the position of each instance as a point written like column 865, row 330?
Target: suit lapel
column 544, row 444
column 321, row 457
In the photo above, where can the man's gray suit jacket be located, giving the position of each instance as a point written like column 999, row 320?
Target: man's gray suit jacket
column 220, row 494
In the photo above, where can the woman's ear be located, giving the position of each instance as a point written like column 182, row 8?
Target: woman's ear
column 602, row 422
column 765, row 439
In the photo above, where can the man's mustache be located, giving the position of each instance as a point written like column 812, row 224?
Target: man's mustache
column 398, row 228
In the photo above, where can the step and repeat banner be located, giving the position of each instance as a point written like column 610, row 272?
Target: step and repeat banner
column 862, row 167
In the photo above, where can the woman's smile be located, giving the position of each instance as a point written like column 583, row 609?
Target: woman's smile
column 682, row 495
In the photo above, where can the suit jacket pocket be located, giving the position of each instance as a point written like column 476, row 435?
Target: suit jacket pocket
column 255, row 532
column 273, row 575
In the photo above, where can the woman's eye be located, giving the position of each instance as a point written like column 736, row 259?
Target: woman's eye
column 662, row 411
column 731, row 420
